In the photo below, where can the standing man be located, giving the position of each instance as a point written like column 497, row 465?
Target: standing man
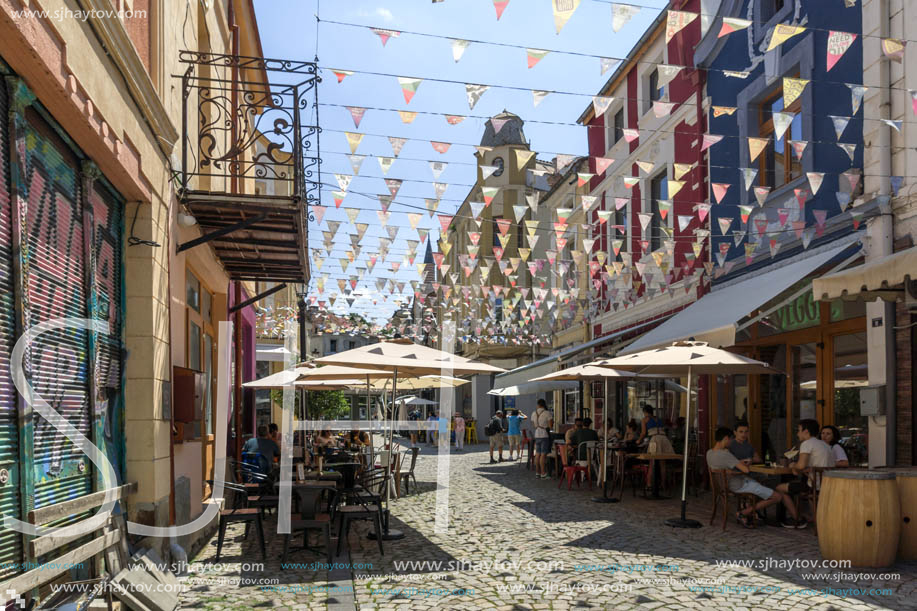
column 496, row 428
column 459, row 432
column 431, row 428
column 514, row 433
column 542, row 420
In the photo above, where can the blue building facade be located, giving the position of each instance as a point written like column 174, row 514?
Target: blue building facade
column 784, row 199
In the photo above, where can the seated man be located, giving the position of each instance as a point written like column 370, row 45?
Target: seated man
column 264, row 447
column 719, row 457
column 586, row 433
column 741, row 448
column 813, row 452
column 568, row 436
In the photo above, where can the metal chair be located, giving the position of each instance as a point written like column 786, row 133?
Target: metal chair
column 570, row 472
column 239, row 513
column 407, row 476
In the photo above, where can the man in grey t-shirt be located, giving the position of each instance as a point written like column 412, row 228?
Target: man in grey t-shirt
column 720, row 458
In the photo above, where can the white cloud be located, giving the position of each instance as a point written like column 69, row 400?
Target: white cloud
column 382, row 13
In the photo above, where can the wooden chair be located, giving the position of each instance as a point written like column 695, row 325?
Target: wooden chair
column 407, row 476
column 719, row 485
column 108, row 541
column 239, row 513
column 810, row 494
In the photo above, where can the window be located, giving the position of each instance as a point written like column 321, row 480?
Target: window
column 617, row 230
column 194, row 346
column 351, row 345
column 193, row 291
column 207, row 306
column 333, row 346
column 659, row 189
column 619, row 125
column 777, row 163
column 571, row 406
column 655, row 89
column 770, row 8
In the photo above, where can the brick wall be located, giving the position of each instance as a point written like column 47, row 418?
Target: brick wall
column 904, row 339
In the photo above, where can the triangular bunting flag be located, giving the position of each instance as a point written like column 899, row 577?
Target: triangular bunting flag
column 474, row 93
column 533, row 56
column 838, row 43
column 676, row 21
column 783, row 32
column 621, row 14
column 353, row 141
column 733, row 24
column 755, row 146
column 409, row 87
column 792, row 89
column 458, row 48
column 563, row 10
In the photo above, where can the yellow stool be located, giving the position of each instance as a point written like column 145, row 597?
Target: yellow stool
column 471, row 433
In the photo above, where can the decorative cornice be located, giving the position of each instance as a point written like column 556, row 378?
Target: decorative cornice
column 113, row 36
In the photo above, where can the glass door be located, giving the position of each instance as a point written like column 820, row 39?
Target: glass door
column 849, row 375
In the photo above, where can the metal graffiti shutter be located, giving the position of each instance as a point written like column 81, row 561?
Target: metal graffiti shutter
column 10, row 541
column 57, row 362
column 107, row 305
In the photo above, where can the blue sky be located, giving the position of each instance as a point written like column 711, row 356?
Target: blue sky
column 288, row 30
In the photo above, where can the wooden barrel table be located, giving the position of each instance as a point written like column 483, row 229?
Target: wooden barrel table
column 859, row 517
column 907, row 492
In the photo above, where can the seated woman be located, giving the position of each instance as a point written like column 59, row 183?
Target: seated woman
column 630, row 437
column 831, row 436
column 653, row 435
column 325, row 440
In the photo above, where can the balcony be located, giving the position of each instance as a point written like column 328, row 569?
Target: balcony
column 249, row 166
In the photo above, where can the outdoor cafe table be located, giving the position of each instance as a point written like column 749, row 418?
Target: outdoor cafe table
column 654, row 465
column 770, row 469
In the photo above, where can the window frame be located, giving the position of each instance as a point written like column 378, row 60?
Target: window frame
column 655, row 226
column 766, row 129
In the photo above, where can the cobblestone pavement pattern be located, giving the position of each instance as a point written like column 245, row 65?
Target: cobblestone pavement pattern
column 522, row 543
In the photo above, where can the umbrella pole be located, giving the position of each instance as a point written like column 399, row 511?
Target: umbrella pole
column 389, row 534
column 683, row 521
column 369, row 417
column 604, row 498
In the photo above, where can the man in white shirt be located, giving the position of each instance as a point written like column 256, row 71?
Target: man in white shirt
column 813, row 452
column 542, row 420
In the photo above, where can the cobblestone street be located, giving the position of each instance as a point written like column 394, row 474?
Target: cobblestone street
column 522, row 543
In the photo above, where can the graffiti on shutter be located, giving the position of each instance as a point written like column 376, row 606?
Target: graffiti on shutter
column 57, row 363
column 10, row 499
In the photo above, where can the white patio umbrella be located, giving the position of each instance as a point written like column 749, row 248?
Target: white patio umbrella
column 590, row 371
column 686, row 358
column 412, row 400
column 404, row 357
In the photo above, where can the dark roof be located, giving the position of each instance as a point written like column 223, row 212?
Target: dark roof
column 511, row 133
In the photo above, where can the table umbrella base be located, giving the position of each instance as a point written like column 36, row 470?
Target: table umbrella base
column 390, row 535
column 682, row 523
column 604, row 499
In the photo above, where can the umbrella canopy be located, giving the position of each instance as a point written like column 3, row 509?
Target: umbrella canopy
column 584, row 372
column 682, row 357
column 529, row 388
column 412, row 400
column 417, row 383
column 686, row 358
column 333, row 372
column 407, row 358
column 279, row 379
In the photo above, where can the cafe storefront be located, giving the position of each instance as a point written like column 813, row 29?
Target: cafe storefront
column 819, row 348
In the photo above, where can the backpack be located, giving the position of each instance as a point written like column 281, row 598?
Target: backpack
column 492, row 428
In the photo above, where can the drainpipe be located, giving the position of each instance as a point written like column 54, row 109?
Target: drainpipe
column 880, row 231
